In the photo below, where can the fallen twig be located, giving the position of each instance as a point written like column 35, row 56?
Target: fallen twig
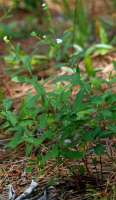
column 28, row 191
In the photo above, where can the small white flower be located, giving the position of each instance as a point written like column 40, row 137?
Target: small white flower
column 58, row 41
column 44, row 36
column 67, row 141
column 43, row 5
column 5, row 38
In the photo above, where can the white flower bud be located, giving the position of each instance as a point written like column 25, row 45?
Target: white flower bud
column 44, row 36
column 43, row 5
column 5, row 38
column 58, row 41
column 67, row 141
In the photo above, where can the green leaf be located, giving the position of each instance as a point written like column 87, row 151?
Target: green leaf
column 89, row 66
column 22, row 79
column 11, row 117
column 86, row 112
column 89, row 136
column 43, row 121
column 81, row 27
column 34, row 141
column 33, row 81
column 40, row 140
column 52, row 154
column 75, row 58
column 72, row 154
column 97, row 100
column 106, row 114
column 99, row 49
column 74, row 79
column 28, row 107
column 27, row 63
column 113, row 80
column 26, row 123
column 29, row 148
column 78, row 102
column 103, row 34
column 7, row 103
column 96, row 82
column 99, row 149
column 112, row 128
column 38, row 87
column 16, row 140
column 33, row 34
column 29, row 170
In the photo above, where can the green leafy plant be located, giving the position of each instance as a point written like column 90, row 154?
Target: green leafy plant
column 73, row 129
column 81, row 27
column 69, row 126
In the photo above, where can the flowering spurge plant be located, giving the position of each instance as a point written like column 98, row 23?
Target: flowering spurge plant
column 75, row 127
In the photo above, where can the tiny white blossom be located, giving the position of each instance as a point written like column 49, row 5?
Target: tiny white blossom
column 67, row 141
column 44, row 36
column 44, row 4
column 5, row 38
column 58, row 41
